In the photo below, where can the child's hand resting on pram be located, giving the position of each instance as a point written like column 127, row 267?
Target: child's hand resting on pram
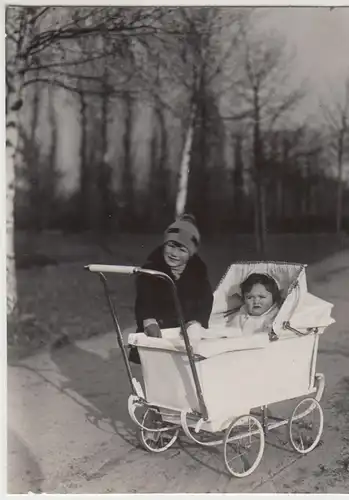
column 151, row 328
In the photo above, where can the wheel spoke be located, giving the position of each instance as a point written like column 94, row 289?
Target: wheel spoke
column 306, row 425
column 161, row 439
column 236, row 457
column 245, row 440
column 301, row 440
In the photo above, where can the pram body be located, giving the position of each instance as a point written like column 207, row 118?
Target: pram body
column 209, row 385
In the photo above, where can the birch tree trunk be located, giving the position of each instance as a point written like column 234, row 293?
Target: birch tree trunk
column 10, row 250
column 15, row 70
column 13, row 104
column 184, row 168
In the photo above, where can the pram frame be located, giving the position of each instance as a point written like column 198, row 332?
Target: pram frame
column 137, row 399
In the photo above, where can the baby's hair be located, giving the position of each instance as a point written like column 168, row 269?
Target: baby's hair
column 261, row 279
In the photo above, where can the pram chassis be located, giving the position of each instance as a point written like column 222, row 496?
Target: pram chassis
column 172, row 422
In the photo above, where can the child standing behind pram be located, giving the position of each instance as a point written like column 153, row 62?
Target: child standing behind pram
column 177, row 257
column 262, row 299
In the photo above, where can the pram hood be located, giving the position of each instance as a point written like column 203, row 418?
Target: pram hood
column 299, row 307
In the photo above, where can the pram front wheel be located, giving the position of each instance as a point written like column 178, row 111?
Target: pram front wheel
column 243, row 446
column 306, row 425
column 161, row 437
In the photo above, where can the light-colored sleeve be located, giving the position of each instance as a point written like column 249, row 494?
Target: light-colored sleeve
column 149, row 321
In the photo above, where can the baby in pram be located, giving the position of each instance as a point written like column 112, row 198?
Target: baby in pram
column 258, row 302
column 261, row 302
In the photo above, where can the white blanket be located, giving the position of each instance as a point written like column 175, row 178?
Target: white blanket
column 214, row 341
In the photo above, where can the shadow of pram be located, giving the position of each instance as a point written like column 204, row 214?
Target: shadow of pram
column 102, row 383
column 277, row 451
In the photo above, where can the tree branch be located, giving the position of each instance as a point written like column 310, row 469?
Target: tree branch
column 110, row 91
column 71, row 63
column 40, row 14
column 108, row 22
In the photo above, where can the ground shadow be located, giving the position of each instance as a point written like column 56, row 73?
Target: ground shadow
column 102, row 383
column 209, row 457
column 23, row 471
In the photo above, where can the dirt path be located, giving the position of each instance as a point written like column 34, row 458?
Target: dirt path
column 69, row 431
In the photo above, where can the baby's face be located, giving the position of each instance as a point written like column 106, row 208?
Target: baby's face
column 258, row 300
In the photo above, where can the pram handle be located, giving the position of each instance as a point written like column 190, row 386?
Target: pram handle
column 103, row 268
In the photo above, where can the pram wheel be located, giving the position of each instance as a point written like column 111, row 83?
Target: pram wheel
column 243, row 446
column 163, row 435
column 305, row 425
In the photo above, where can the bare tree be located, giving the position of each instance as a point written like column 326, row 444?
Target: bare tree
column 33, row 154
column 202, row 74
column 282, row 148
column 107, row 76
column 52, row 173
column 36, row 39
column 238, row 176
column 261, row 88
column 191, row 59
column 337, row 118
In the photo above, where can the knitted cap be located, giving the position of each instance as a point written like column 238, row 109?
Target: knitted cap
column 185, row 232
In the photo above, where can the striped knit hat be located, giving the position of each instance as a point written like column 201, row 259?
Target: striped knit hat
column 185, row 232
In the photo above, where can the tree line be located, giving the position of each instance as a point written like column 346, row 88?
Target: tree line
column 214, row 84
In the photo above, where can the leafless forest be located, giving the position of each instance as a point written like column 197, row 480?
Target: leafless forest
column 206, row 68
column 165, row 109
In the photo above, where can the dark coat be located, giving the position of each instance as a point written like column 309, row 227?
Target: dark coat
column 154, row 297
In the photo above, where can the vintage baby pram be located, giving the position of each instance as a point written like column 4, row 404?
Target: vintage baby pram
column 217, row 390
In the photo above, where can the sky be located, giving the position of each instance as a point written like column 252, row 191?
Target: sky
column 320, row 37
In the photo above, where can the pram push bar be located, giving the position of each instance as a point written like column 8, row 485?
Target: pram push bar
column 102, row 268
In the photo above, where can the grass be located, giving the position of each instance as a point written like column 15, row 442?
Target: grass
column 57, row 297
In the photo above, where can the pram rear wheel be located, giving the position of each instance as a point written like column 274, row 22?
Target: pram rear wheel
column 243, row 446
column 306, row 425
column 157, row 440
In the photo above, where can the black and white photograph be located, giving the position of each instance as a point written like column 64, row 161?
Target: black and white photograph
column 177, row 249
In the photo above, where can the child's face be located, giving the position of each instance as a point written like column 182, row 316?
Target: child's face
column 258, row 300
column 175, row 254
